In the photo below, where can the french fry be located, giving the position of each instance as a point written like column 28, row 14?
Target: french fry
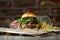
column 46, row 26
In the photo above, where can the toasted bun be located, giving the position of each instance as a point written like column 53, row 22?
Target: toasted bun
column 28, row 14
column 29, row 29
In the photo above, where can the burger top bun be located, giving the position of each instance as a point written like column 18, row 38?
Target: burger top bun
column 28, row 14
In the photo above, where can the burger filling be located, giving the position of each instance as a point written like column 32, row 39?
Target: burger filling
column 28, row 22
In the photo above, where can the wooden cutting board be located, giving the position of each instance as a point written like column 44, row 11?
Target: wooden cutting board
column 29, row 32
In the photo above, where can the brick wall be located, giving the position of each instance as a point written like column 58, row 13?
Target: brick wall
column 13, row 9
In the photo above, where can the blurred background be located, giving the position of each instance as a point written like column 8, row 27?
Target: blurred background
column 11, row 10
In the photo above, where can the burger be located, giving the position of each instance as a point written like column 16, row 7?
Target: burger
column 29, row 21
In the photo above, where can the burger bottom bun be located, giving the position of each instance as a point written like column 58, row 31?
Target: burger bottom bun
column 30, row 29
